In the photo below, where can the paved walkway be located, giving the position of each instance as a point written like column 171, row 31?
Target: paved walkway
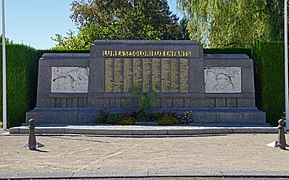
column 90, row 156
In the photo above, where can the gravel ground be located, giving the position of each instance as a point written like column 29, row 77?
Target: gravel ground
column 84, row 156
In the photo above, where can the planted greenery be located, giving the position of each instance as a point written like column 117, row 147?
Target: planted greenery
column 186, row 117
column 103, row 116
column 21, row 67
column 167, row 118
column 126, row 118
column 269, row 79
column 145, row 100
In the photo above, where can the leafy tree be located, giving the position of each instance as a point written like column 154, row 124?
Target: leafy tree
column 119, row 19
column 233, row 23
column 275, row 10
column 184, row 30
column 8, row 41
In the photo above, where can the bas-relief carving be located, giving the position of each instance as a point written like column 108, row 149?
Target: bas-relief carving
column 223, row 80
column 69, row 79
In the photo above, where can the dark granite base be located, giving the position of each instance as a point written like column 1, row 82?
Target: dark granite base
column 250, row 116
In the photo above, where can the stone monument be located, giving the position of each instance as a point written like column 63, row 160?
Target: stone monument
column 217, row 88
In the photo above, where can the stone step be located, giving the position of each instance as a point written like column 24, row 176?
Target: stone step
column 145, row 129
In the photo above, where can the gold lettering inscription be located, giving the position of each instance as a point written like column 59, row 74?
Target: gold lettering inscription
column 118, row 75
column 156, row 74
column 137, row 72
column 123, row 53
column 166, row 72
column 109, row 75
column 128, row 75
column 175, row 86
column 184, row 75
column 147, row 72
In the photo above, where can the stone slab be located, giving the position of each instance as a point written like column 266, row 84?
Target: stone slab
column 146, row 130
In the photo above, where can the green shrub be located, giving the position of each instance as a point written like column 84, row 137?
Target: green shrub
column 269, row 79
column 127, row 118
column 114, row 119
column 186, row 117
column 167, row 119
column 127, row 121
column 145, row 100
column 103, row 116
column 22, row 62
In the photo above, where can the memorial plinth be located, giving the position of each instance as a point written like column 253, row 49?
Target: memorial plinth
column 217, row 88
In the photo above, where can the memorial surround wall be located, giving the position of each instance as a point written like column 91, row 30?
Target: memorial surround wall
column 217, row 88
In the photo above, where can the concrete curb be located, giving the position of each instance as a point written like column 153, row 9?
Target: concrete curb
column 141, row 130
column 90, row 175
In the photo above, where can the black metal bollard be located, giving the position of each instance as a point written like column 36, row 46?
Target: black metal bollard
column 281, row 134
column 32, row 138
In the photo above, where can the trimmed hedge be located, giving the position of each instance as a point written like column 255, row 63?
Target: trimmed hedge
column 21, row 61
column 269, row 79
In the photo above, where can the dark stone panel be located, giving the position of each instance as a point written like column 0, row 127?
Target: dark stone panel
column 112, row 103
column 231, row 102
column 167, row 103
column 69, row 102
column 178, row 103
column 221, row 103
column 246, row 103
column 80, row 102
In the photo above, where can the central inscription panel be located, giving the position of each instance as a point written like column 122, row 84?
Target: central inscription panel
column 172, row 68
column 150, row 74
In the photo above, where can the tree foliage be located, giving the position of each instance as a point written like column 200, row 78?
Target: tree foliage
column 119, row 19
column 7, row 40
column 233, row 23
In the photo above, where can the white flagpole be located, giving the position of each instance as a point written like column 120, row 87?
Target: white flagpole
column 4, row 69
column 286, row 63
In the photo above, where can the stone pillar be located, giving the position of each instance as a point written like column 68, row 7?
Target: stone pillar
column 281, row 134
column 32, row 138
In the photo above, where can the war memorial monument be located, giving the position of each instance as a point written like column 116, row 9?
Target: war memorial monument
column 74, row 87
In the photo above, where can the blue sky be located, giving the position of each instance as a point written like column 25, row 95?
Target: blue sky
column 34, row 22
